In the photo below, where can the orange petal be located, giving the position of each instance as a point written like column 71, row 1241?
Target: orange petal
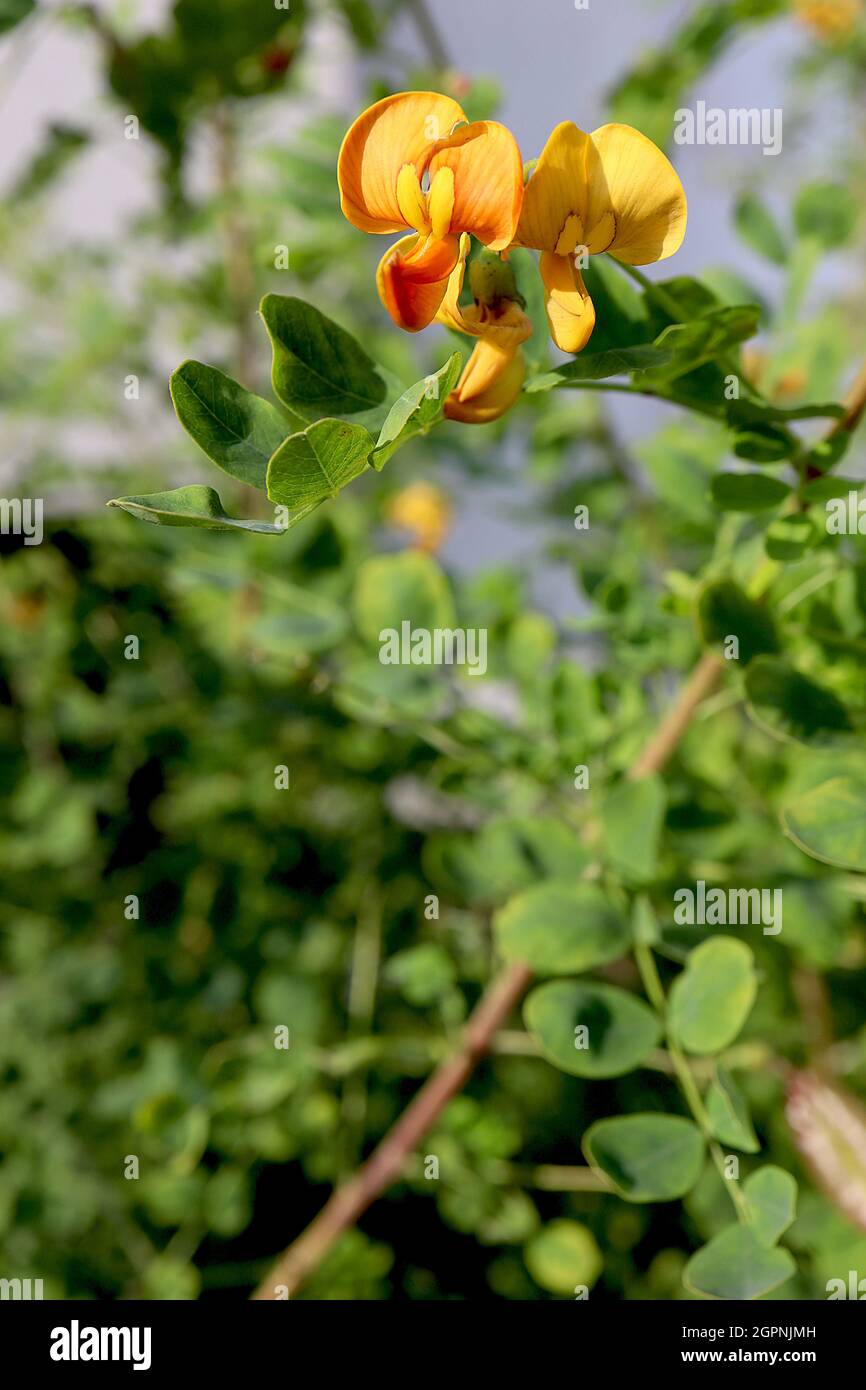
column 398, row 130
column 488, row 181
column 570, row 311
column 412, row 279
column 501, row 390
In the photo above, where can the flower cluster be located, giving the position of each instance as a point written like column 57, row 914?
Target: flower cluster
column 413, row 163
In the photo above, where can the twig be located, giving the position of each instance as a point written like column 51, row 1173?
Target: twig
column 700, row 684
column 349, row 1202
column 430, row 34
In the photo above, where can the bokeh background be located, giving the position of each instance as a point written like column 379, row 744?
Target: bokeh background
column 149, row 1035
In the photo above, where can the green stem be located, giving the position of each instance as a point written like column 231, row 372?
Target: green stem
column 655, row 993
column 669, row 304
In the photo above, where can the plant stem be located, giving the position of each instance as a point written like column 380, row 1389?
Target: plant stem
column 387, row 1161
column 699, row 685
column 682, row 1070
column 351, row 1200
column 430, row 34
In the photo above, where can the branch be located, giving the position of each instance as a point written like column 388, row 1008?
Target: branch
column 349, row 1202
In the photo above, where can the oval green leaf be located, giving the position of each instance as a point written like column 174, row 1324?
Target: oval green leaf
column 632, row 816
column 235, row 428
column 736, row 1266
column 563, row 1256
column 318, row 368
column 648, row 1158
column 409, row 588
column 747, row 492
column 793, row 707
column 771, row 1195
column 314, row 465
column 829, row 822
column 189, row 506
column 561, row 928
column 712, row 998
column 591, row 1030
column 725, row 610
column 728, row 1113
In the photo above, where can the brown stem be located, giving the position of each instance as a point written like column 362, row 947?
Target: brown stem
column 855, row 405
column 348, row 1203
column 699, row 685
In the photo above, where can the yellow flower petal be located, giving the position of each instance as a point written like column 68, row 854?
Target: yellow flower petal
column 441, row 202
column 570, row 311
column 635, row 195
column 501, row 392
column 412, row 201
column 398, row 130
column 488, row 181
column 412, row 279
column 555, row 199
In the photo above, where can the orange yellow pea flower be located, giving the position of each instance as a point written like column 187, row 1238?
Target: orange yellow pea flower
column 412, row 162
column 493, row 377
column 830, row 20
column 424, row 511
column 610, row 191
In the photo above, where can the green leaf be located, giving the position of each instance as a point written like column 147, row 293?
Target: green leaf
column 420, row 407
column 712, row 998
column 827, row 212
column 591, row 1030
column 759, row 229
column 314, row 465
column 12, row 12
column 189, row 506
column 764, row 443
column 736, row 1266
column 747, row 492
column 789, row 537
column 563, row 1256
column 724, row 610
column 632, row 816
column 596, row 366
column 829, row 822
column 393, row 589
column 561, row 928
column 771, row 1194
column 793, row 707
column 648, row 1158
column 706, row 338
column 749, row 412
column 828, row 452
column 318, row 368
column 728, row 1113
column 236, row 429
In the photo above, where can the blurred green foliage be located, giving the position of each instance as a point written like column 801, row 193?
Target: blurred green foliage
column 167, row 907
